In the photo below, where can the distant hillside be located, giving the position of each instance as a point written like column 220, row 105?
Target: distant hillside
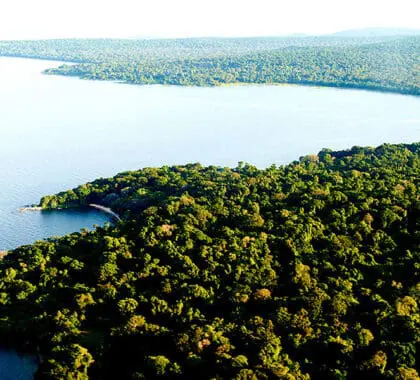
column 378, row 32
column 375, row 63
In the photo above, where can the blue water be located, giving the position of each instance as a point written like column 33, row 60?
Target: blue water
column 56, row 133
column 14, row 366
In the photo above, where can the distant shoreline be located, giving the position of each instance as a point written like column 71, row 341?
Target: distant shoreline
column 233, row 84
column 39, row 58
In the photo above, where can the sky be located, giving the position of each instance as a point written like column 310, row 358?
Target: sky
column 37, row 19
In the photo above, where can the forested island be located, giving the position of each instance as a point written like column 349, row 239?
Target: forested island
column 385, row 63
column 308, row 270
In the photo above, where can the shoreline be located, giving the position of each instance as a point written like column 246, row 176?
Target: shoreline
column 351, row 87
column 30, row 208
column 106, row 210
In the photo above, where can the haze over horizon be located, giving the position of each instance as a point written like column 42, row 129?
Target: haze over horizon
column 24, row 19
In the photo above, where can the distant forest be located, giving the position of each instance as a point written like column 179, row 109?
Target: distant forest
column 375, row 63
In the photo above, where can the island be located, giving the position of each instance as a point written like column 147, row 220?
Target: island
column 307, row 270
column 381, row 63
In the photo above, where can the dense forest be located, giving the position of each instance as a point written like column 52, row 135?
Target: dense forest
column 377, row 63
column 309, row 270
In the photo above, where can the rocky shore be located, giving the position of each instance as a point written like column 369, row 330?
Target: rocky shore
column 30, row 208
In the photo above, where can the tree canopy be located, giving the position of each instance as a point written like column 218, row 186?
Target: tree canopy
column 309, row 270
column 376, row 63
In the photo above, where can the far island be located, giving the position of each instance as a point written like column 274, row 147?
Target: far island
column 373, row 62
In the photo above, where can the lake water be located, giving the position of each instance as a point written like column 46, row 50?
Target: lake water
column 14, row 366
column 59, row 132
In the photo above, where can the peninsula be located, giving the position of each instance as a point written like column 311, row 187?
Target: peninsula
column 308, row 270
